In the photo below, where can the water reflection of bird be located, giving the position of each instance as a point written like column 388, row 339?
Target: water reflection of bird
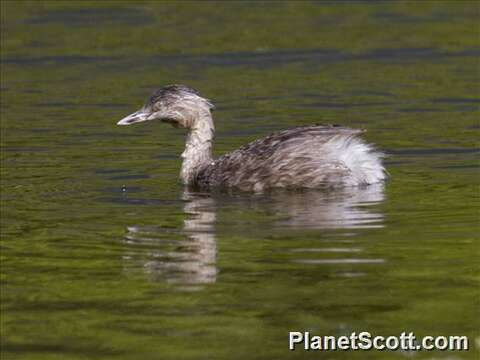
column 342, row 209
column 187, row 256
column 189, row 260
column 302, row 157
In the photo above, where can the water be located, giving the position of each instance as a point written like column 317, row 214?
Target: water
column 105, row 256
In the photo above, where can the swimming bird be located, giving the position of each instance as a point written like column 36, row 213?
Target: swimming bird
column 312, row 156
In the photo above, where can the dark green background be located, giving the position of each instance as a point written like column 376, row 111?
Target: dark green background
column 91, row 272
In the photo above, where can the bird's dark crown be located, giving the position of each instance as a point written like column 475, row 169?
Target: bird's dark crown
column 170, row 93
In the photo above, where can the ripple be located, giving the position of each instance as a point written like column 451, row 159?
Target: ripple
column 89, row 17
column 339, row 261
column 327, row 250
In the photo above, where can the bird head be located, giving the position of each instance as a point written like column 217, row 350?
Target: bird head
column 177, row 105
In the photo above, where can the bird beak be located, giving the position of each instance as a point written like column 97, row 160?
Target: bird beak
column 136, row 117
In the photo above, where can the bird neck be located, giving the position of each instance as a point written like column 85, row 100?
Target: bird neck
column 198, row 148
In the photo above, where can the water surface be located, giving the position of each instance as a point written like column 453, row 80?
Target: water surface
column 105, row 256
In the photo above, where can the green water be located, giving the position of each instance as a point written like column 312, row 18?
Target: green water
column 93, row 272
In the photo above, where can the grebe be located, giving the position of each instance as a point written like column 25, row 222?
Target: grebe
column 315, row 156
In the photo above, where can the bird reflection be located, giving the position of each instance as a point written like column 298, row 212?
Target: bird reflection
column 187, row 256
column 184, row 257
column 346, row 208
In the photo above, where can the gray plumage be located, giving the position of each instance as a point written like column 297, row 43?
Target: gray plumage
column 304, row 157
